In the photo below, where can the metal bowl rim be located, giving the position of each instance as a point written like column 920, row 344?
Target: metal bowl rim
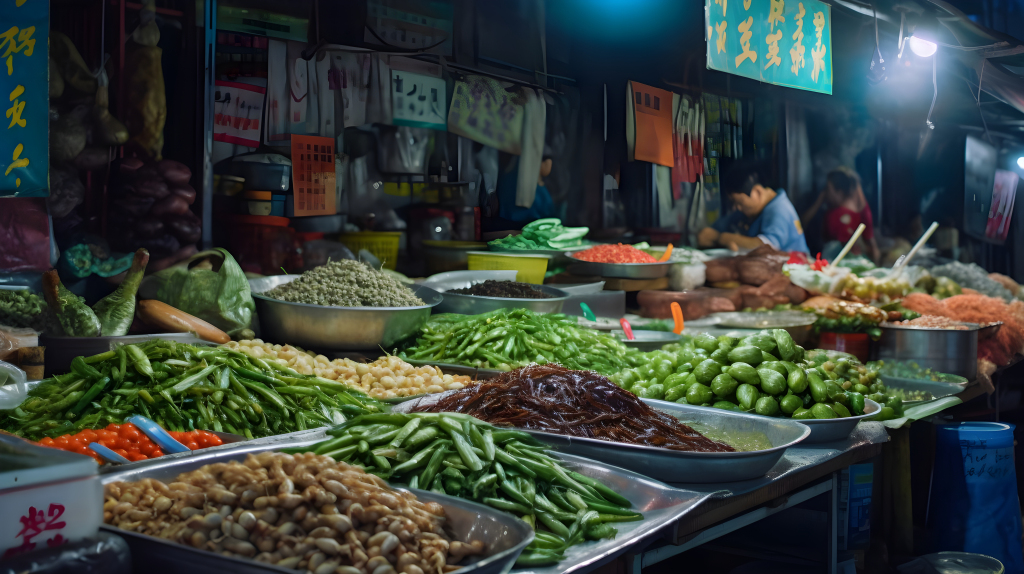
column 663, row 336
column 414, row 288
column 971, row 327
column 562, row 297
column 858, row 418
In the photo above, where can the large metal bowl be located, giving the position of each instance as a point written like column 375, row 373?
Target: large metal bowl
column 622, row 270
column 336, row 328
column 476, row 304
column 504, row 535
column 944, row 350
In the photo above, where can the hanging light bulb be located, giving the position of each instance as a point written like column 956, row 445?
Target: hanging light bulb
column 1020, row 162
column 921, row 47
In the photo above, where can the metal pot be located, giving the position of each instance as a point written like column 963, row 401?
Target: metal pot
column 943, row 350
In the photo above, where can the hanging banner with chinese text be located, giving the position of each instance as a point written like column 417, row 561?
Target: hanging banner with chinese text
column 782, row 42
column 24, row 94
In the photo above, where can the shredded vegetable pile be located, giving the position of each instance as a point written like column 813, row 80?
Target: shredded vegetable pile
column 577, row 403
column 614, row 254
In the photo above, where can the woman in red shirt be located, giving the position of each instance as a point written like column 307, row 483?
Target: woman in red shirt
column 847, row 209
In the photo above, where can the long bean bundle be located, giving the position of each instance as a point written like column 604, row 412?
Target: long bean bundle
column 506, row 339
column 459, row 455
column 183, row 387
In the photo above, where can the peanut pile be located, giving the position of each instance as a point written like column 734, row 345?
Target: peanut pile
column 304, row 511
column 385, row 378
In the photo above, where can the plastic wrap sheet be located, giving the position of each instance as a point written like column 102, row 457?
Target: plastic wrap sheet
column 797, row 459
column 105, row 554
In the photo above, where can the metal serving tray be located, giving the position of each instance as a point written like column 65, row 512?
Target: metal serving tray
column 660, row 504
column 623, row 270
column 336, row 328
column 504, row 535
column 679, row 466
column 477, row 304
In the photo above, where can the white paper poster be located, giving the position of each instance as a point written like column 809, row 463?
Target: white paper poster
column 238, row 113
column 418, row 100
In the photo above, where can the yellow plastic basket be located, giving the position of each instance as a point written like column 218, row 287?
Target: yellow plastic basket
column 382, row 244
column 531, row 268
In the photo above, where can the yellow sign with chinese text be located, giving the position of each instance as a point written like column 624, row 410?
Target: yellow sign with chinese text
column 24, row 97
column 782, row 42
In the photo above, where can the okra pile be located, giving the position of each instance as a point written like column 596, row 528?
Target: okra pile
column 183, row 387
column 507, row 339
column 766, row 373
column 459, row 455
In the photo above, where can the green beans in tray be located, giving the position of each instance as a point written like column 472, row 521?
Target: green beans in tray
column 765, row 373
column 462, row 456
column 507, row 339
column 183, row 387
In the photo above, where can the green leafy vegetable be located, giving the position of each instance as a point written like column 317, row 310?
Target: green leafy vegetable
column 77, row 319
column 116, row 311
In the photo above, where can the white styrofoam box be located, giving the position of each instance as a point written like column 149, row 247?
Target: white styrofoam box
column 47, row 497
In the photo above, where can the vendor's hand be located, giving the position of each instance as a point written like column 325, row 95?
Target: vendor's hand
column 708, row 237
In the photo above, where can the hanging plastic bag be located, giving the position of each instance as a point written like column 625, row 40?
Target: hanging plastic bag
column 210, row 285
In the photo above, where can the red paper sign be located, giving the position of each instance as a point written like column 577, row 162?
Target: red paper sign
column 313, row 177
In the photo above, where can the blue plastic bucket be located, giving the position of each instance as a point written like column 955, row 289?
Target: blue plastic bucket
column 973, row 506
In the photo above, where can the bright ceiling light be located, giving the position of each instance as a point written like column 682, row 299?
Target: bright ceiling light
column 922, row 47
column 1020, row 162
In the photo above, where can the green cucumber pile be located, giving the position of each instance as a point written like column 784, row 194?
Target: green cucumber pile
column 507, row 339
column 459, row 455
column 766, row 373
column 183, row 387
column 546, row 233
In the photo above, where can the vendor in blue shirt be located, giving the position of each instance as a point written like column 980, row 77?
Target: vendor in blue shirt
column 542, row 205
column 760, row 216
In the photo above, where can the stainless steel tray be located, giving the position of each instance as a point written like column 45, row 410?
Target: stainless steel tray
column 660, row 503
column 678, row 466
column 476, row 304
column 336, row 328
column 504, row 535
column 623, row 270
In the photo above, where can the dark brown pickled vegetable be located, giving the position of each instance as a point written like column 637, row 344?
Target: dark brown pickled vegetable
column 554, row 399
column 507, row 289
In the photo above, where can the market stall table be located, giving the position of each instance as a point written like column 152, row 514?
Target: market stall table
column 803, row 473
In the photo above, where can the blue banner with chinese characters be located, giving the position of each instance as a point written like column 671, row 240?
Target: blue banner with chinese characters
column 782, row 42
column 24, row 95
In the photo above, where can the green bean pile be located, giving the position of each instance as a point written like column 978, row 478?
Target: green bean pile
column 459, row 455
column 183, row 387
column 507, row 339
